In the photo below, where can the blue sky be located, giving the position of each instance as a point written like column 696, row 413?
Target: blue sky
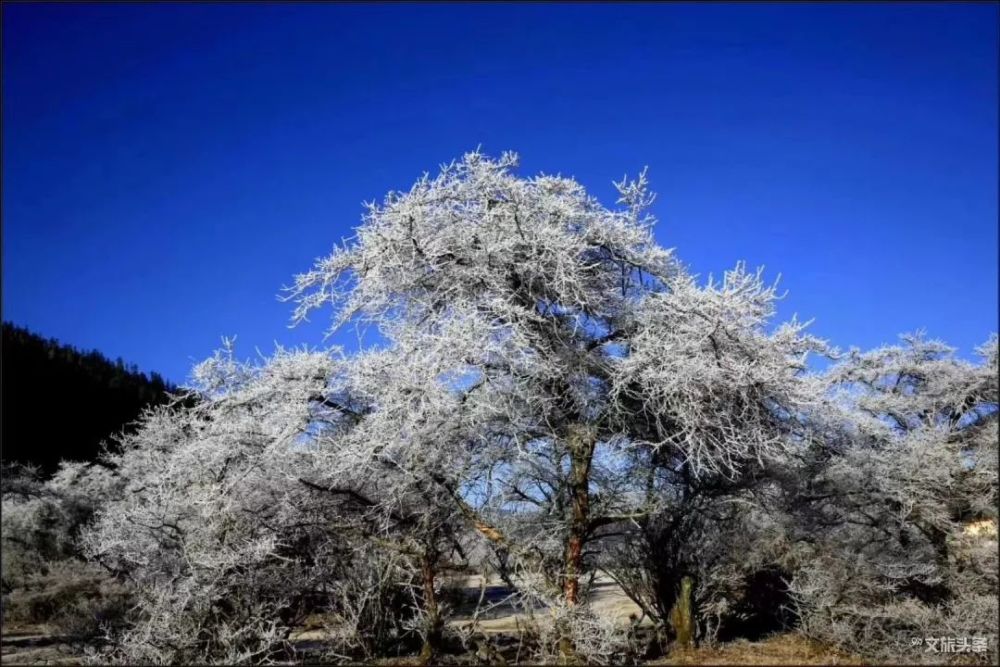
column 168, row 168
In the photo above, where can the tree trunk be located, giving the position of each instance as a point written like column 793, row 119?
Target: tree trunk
column 682, row 614
column 581, row 442
column 581, row 447
column 433, row 625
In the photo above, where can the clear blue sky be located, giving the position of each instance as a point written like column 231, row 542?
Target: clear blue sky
column 167, row 168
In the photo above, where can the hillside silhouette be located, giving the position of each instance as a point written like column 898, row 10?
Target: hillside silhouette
column 61, row 403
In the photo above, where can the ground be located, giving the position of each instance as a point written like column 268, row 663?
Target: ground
column 30, row 646
column 37, row 645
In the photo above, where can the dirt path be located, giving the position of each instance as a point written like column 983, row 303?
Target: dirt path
column 36, row 645
column 606, row 599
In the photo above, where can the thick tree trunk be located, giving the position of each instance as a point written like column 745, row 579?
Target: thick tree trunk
column 581, row 447
column 580, row 442
column 433, row 623
column 682, row 614
column 574, row 553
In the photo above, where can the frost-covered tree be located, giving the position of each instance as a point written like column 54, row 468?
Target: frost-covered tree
column 266, row 499
column 581, row 376
column 722, row 405
column 211, row 527
column 516, row 291
column 392, row 456
column 883, row 517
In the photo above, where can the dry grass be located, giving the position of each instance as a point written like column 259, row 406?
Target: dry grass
column 786, row 649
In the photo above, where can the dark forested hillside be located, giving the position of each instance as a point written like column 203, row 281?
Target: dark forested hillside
column 61, row 403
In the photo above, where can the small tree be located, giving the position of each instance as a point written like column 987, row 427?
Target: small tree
column 278, row 492
column 393, row 457
column 221, row 543
column 911, row 462
column 725, row 407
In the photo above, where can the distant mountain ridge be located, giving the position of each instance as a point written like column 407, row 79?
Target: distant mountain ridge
column 60, row 402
